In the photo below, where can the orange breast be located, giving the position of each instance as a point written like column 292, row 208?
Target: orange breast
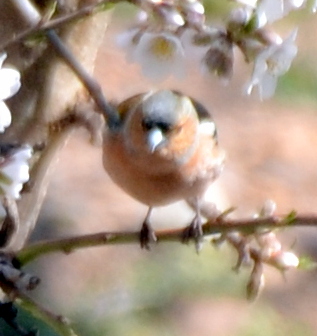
column 145, row 183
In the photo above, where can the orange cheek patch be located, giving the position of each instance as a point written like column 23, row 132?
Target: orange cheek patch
column 183, row 137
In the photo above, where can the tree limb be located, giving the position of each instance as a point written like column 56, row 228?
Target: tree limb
column 219, row 225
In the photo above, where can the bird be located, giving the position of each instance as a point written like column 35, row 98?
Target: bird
column 165, row 149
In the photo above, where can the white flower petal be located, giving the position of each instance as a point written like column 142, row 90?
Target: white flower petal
column 239, row 17
column 285, row 261
column 251, row 3
column 290, row 259
column 272, row 62
column 174, row 18
column 260, row 67
column 13, row 190
column 296, row 3
column 267, row 86
column 9, row 83
column 159, row 55
column 142, row 16
column 5, row 116
column 290, row 5
column 125, row 39
column 15, row 171
column 283, row 55
column 272, row 9
column 262, row 19
column 198, row 7
column 16, row 168
column 23, row 154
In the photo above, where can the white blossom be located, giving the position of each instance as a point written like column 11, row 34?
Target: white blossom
column 269, row 244
column 159, row 54
column 271, row 63
column 292, row 4
column 14, row 171
column 128, row 41
column 251, row 3
column 268, row 209
column 9, row 86
column 169, row 17
column 284, row 261
column 193, row 12
column 269, row 11
column 239, row 17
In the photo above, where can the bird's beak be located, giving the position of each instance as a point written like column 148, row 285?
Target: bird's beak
column 154, row 139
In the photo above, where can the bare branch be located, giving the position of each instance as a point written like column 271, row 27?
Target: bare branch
column 56, row 22
column 11, row 222
column 220, row 225
column 28, row 11
column 89, row 82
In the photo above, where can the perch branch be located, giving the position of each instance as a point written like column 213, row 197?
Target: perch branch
column 219, row 225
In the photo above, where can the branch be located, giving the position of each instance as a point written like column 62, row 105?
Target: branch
column 219, row 225
column 57, row 22
column 89, row 82
column 11, row 222
column 30, row 203
column 33, row 17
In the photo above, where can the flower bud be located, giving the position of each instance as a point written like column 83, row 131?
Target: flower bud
column 268, row 243
column 9, row 86
column 238, row 18
column 14, row 171
column 256, row 282
column 284, row 260
column 219, row 58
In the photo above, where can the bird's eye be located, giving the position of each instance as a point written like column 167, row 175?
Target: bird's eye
column 150, row 124
column 147, row 125
column 165, row 127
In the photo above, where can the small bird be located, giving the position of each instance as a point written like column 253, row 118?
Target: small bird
column 164, row 150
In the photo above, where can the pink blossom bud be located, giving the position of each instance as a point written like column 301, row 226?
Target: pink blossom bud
column 284, row 260
column 269, row 244
column 256, row 282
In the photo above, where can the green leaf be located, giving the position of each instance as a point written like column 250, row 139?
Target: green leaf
column 306, row 263
column 50, row 10
column 104, row 6
column 26, row 322
column 290, row 218
column 44, row 319
column 5, row 179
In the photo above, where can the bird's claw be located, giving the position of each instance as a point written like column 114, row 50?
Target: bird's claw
column 147, row 236
column 194, row 232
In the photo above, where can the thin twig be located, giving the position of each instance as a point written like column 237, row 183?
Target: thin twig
column 112, row 117
column 11, row 222
column 55, row 23
column 248, row 226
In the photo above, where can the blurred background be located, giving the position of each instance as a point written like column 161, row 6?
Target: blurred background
column 170, row 290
